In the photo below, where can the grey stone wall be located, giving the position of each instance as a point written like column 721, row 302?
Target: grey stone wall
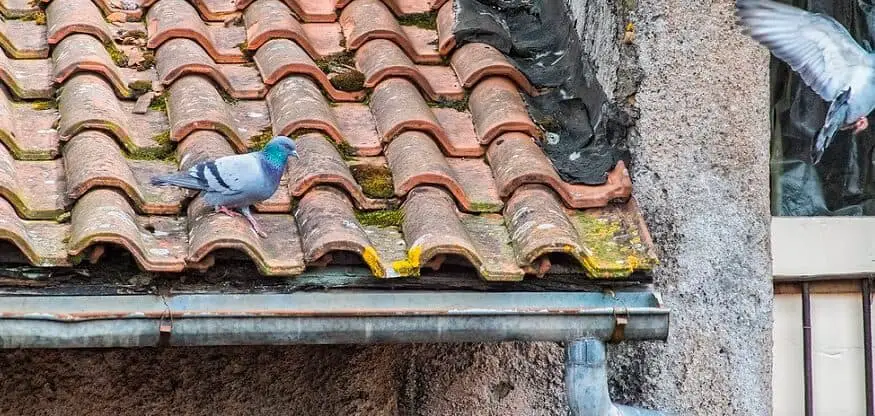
column 700, row 151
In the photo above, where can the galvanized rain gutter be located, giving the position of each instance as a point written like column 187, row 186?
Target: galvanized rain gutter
column 328, row 317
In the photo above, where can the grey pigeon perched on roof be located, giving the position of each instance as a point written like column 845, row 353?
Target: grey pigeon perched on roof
column 824, row 55
column 238, row 181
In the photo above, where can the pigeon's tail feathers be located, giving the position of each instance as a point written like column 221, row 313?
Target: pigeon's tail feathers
column 835, row 118
column 181, row 179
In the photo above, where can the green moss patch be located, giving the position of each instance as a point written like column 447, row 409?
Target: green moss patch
column 426, row 20
column 458, row 105
column 227, row 97
column 350, row 80
column 347, row 152
column 382, row 218
column 331, row 63
column 118, row 57
column 140, row 86
column 44, row 105
column 258, row 141
column 38, row 17
column 159, row 102
column 375, row 180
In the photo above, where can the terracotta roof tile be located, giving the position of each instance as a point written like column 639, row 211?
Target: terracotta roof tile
column 16, row 8
column 431, row 159
column 28, row 130
column 180, row 57
column 22, row 39
column 380, row 59
column 279, row 58
column 109, row 7
column 83, row 53
column 365, row 20
column 271, row 19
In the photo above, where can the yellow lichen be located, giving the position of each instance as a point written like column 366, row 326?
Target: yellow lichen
column 410, row 265
column 38, row 17
column 608, row 247
column 44, row 105
column 372, row 259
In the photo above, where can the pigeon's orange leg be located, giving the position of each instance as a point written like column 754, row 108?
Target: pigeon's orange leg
column 229, row 212
column 861, row 124
column 248, row 214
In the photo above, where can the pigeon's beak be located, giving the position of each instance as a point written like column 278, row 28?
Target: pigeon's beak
column 294, row 154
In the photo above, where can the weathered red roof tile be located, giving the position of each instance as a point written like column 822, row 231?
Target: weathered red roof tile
column 108, row 7
column 474, row 62
column 497, row 108
column 169, row 19
column 321, row 164
column 205, row 145
column 365, row 20
column 42, row 242
column 17, row 8
column 516, row 160
column 608, row 242
column 194, row 104
column 380, row 59
column 398, row 107
column 83, row 53
column 88, row 102
column 271, row 19
column 327, row 223
column 180, row 57
column 416, row 160
column 27, row 130
column 35, row 188
column 215, row 10
column 65, row 17
column 27, row 78
column 445, row 20
column 23, row 39
column 94, row 160
column 434, row 227
column 296, row 103
column 307, row 10
column 104, row 216
column 279, row 254
column 279, row 58
column 407, row 7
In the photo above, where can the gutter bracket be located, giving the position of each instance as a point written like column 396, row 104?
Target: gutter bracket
column 621, row 318
column 165, row 325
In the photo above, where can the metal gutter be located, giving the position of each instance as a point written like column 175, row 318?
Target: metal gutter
column 330, row 317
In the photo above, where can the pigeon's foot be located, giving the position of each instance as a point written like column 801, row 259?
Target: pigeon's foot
column 861, row 124
column 227, row 211
column 248, row 214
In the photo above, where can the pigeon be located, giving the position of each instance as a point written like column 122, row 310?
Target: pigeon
column 238, row 181
column 824, row 55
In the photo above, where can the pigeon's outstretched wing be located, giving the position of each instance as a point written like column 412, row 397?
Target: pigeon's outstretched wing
column 229, row 175
column 814, row 45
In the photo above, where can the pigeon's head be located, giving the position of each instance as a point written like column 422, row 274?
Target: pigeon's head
column 281, row 146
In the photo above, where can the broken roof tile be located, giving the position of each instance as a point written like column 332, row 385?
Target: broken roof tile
column 328, row 223
column 320, row 163
column 169, row 19
column 27, row 129
column 34, row 188
column 296, row 103
column 398, row 107
column 516, row 160
column 22, row 39
column 279, row 58
column 365, row 20
column 307, row 10
column 193, row 104
column 380, row 59
column 497, row 108
column 433, row 227
column 180, row 57
column 42, row 242
column 65, row 17
column 83, row 53
column 94, row 160
column 416, row 160
column 88, row 102
column 215, row 10
column 608, row 242
column 279, row 253
column 271, row 19
column 474, row 62
column 27, row 78
column 104, row 216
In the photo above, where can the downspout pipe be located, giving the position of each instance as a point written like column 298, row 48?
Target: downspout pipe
column 586, row 382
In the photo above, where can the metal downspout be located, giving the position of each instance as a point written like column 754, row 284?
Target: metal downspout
column 586, row 382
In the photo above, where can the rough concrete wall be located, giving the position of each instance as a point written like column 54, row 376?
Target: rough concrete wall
column 418, row 380
column 700, row 154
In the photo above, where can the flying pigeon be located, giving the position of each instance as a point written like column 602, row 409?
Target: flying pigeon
column 238, row 181
column 826, row 57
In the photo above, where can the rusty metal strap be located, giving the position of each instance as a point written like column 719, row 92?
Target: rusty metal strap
column 165, row 325
column 621, row 318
